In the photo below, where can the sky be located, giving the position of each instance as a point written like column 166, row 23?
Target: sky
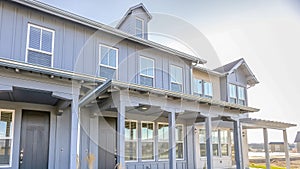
column 265, row 33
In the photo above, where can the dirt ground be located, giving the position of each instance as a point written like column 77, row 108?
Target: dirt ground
column 294, row 164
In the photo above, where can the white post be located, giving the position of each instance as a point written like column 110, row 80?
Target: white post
column 286, row 150
column 209, row 149
column 172, row 141
column 74, row 132
column 266, row 147
column 121, row 135
column 237, row 144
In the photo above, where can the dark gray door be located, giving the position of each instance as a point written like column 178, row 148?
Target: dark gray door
column 34, row 140
column 107, row 142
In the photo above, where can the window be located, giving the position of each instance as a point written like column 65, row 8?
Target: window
column 208, row 92
column 179, row 141
column 163, row 141
column 198, row 87
column 241, row 95
column 40, row 43
column 6, row 137
column 203, row 88
column 130, row 140
column 202, row 140
column 232, row 93
column 219, row 139
column 146, row 71
column 237, row 94
column 108, row 61
column 176, row 78
column 139, row 28
column 224, row 142
column 147, row 141
column 215, row 142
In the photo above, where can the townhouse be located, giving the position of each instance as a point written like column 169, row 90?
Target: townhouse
column 75, row 93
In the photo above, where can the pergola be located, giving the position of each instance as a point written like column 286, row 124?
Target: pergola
column 251, row 123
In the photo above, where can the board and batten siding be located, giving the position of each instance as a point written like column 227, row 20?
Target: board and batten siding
column 76, row 47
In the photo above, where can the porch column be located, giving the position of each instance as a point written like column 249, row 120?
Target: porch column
column 237, row 144
column 266, row 147
column 172, row 141
column 74, row 132
column 209, row 149
column 286, row 150
column 121, row 135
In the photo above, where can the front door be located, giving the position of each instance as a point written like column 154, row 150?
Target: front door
column 34, row 140
column 107, row 142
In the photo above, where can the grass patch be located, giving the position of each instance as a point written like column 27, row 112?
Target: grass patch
column 264, row 167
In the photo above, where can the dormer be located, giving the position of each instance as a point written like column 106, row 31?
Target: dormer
column 135, row 21
column 237, row 78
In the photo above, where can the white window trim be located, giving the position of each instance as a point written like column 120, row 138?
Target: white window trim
column 228, row 143
column 183, row 146
column 117, row 56
column 171, row 81
column 11, row 137
column 136, row 141
column 35, row 50
column 236, row 94
column 197, row 88
column 147, row 141
column 143, row 27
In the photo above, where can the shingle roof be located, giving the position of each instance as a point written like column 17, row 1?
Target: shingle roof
column 226, row 68
column 297, row 139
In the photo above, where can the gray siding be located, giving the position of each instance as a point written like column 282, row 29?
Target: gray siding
column 76, row 47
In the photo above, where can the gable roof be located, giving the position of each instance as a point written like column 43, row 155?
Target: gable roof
column 297, row 139
column 105, row 28
column 230, row 67
column 129, row 11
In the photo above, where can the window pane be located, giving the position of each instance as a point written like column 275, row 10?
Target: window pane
column 163, row 150
column 139, row 24
column 215, row 149
column 176, row 87
column 106, row 72
column 147, row 81
column 34, row 38
column 39, row 58
column 147, row 131
column 130, row 151
column 163, row 132
column 147, row 151
column 6, row 124
column 104, row 55
column 224, row 136
column 202, row 149
column 46, row 41
column 208, row 89
column 5, row 150
column 179, row 133
column 147, row 67
column 202, row 137
column 179, row 150
column 176, row 74
column 130, row 130
column 215, row 137
column 232, row 91
column 224, row 149
column 197, row 86
column 232, row 100
column 242, row 102
column 241, row 92
column 112, row 57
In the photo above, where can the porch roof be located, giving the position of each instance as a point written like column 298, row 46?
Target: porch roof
column 123, row 85
column 252, row 123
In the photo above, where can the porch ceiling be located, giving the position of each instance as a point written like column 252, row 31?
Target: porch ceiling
column 251, row 123
column 29, row 96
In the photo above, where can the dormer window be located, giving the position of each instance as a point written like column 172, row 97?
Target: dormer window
column 241, row 94
column 139, row 27
column 232, row 93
